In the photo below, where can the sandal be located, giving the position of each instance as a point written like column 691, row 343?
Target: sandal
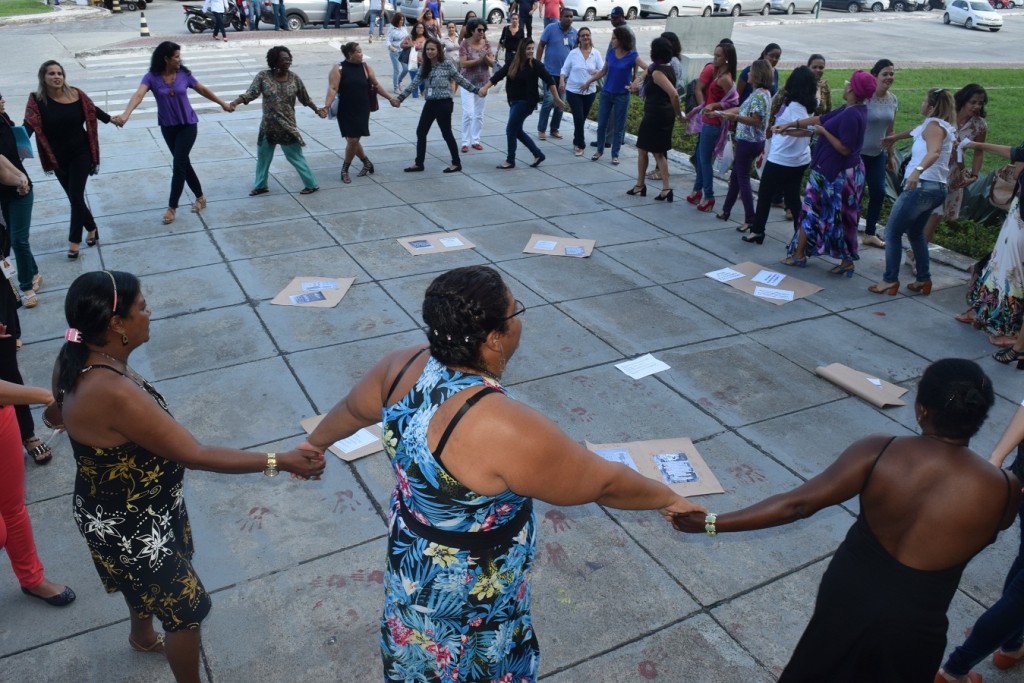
column 92, row 237
column 967, row 317
column 367, row 168
column 72, row 254
column 37, row 450
column 345, row 177
column 1007, row 355
column 309, row 190
column 157, row 647
column 169, row 216
column 200, row 204
column 258, row 191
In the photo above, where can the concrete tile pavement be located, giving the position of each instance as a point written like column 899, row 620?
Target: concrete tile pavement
column 294, row 567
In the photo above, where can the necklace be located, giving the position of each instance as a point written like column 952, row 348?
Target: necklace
column 134, row 376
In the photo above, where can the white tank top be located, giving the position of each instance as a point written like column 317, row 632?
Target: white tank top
column 938, row 171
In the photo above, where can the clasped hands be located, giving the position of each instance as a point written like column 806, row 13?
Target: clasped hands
column 305, row 462
column 684, row 515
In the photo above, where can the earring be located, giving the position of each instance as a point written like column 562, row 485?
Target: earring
column 124, row 339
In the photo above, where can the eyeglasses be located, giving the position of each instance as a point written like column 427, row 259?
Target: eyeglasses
column 520, row 309
column 481, row 30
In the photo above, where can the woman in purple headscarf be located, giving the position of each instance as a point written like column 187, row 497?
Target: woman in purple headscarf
column 831, row 207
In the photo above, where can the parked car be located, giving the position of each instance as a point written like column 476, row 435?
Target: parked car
column 908, row 5
column 301, row 13
column 497, row 10
column 673, row 8
column 589, row 10
column 854, row 6
column 790, row 6
column 1003, row 4
column 972, row 13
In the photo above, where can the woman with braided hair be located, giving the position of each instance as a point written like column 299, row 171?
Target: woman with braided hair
column 469, row 460
column 880, row 614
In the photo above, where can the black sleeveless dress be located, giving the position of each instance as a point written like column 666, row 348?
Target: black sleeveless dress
column 655, row 132
column 130, row 508
column 354, row 102
column 875, row 620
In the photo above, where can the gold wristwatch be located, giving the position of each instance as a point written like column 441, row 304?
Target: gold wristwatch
column 271, row 470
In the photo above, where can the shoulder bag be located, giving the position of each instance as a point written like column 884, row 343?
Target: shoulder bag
column 1004, row 186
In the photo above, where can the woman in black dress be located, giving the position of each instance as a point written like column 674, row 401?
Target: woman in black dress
column 354, row 84
column 661, row 109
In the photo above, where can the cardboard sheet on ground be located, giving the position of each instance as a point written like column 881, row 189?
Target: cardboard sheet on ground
column 319, row 292
column 674, row 462
column 364, row 442
column 870, row 388
column 437, row 243
column 559, row 246
column 777, row 286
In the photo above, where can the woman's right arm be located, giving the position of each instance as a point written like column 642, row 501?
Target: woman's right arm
column 134, row 102
column 333, row 81
column 12, row 394
column 1014, row 154
column 1011, row 438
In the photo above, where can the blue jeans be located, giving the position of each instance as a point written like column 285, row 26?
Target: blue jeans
column 280, row 20
column 398, row 69
column 705, row 180
column 546, row 107
column 17, row 212
column 909, row 215
column 612, row 106
column 549, row 20
column 412, row 75
column 218, row 24
column 874, row 178
column 333, row 14
column 374, row 16
column 518, row 111
column 1001, row 626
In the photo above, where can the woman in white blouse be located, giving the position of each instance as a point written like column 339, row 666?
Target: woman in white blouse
column 582, row 63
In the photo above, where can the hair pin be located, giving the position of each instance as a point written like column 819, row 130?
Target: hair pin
column 73, row 335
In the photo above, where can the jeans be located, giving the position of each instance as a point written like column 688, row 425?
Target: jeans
column 412, row 76
column 518, row 112
column 398, row 69
column 180, row 140
column 472, row 117
column 778, row 179
column 73, row 174
column 705, row 180
column 614, row 106
column 1001, row 626
column 909, row 215
column 739, row 179
column 17, row 212
column 280, row 20
column 334, row 14
column 374, row 16
column 874, row 178
column 15, row 526
column 293, row 153
column 580, row 106
column 218, row 24
column 549, row 20
column 547, row 108
column 440, row 111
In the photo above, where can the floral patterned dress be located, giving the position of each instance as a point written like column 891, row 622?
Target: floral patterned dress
column 130, row 508
column 950, row 209
column 458, row 574
column 997, row 297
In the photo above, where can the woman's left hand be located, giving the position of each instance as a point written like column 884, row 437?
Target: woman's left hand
column 689, row 522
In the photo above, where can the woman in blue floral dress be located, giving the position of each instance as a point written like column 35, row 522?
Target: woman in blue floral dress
column 462, row 534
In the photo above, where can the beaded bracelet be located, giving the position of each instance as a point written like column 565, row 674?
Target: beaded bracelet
column 709, row 523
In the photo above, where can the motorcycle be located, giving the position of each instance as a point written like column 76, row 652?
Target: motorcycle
column 197, row 21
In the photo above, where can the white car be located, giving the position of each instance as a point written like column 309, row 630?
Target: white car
column 589, row 10
column 972, row 13
column 675, row 8
column 765, row 7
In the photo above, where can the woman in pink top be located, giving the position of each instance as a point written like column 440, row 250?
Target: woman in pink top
column 170, row 81
column 715, row 86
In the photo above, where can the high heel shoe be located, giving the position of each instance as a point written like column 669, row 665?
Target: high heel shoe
column 92, row 237
column 922, row 288
column 345, row 177
column 1008, row 355
column 695, row 197
column 755, row 238
column 794, row 261
column 722, row 215
column 743, row 227
column 843, row 270
column 367, row 168
column 665, row 196
column 167, row 219
column 883, row 287
column 707, row 206
column 199, row 204
column 637, row 190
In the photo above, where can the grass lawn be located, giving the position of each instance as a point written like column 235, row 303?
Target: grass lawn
column 1005, row 127
column 10, row 8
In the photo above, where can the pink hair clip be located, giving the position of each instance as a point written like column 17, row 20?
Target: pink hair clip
column 73, row 335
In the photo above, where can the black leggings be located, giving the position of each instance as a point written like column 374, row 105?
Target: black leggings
column 440, row 111
column 776, row 178
column 9, row 373
column 72, row 174
column 180, row 140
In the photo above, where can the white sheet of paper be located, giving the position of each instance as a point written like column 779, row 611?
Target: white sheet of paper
column 320, row 284
column 960, row 150
column 620, row 455
column 450, row 241
column 768, row 277
column 874, row 380
column 724, row 275
column 356, row 441
column 642, row 366
column 769, row 293
column 546, row 245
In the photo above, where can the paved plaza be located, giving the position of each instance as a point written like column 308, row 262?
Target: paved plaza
column 294, row 568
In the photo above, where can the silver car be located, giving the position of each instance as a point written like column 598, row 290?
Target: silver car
column 497, row 10
column 301, row 13
column 794, row 6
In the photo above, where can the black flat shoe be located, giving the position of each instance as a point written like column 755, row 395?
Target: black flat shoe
column 309, row 190
column 415, row 168
column 505, row 167
column 93, row 238
column 538, row 161
column 754, row 238
column 453, row 169
column 258, row 191
column 62, row 599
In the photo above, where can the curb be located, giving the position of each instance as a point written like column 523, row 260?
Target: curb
column 60, row 14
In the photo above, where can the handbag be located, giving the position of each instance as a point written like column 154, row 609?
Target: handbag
column 371, row 90
column 762, row 158
column 723, row 163
column 1004, row 186
column 403, row 56
column 22, row 142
